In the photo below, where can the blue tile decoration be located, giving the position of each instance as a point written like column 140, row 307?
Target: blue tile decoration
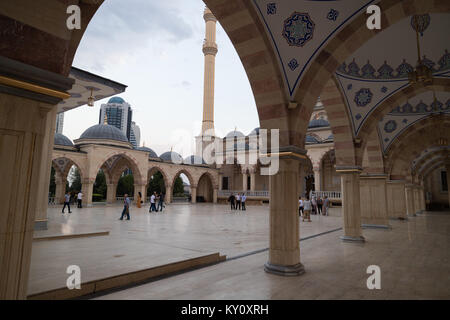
column 404, row 69
column 390, row 126
column 358, row 116
column 384, row 89
column 332, row 14
column 271, row 8
column 385, row 71
column 363, row 97
column 405, row 121
column 368, row 72
column 298, row 29
column 353, row 69
column 350, row 86
column 293, row 64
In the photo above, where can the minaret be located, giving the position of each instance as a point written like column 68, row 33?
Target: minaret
column 210, row 51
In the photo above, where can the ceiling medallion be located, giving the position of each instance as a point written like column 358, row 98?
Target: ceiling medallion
column 298, row 29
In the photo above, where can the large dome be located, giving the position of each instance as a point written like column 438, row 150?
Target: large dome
column 235, row 133
column 194, row 160
column 62, row 140
column 151, row 153
column 104, row 131
column 172, row 157
column 118, row 100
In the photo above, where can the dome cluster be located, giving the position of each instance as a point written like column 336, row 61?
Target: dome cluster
column 104, row 132
column 62, row 140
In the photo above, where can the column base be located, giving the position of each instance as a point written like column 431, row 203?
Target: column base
column 411, row 214
column 376, row 226
column 40, row 225
column 353, row 239
column 287, row 271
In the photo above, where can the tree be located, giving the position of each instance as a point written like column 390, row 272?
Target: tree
column 100, row 187
column 178, row 187
column 125, row 185
column 156, row 184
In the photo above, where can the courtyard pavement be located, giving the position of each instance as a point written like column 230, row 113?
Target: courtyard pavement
column 181, row 232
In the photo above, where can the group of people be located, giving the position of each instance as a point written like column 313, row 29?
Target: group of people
column 68, row 197
column 156, row 197
column 314, row 206
column 237, row 201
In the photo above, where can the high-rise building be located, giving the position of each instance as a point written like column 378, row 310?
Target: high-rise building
column 59, row 122
column 119, row 114
column 135, row 135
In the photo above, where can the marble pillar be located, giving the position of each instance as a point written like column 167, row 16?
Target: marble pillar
column 317, row 179
column 60, row 189
column 284, row 250
column 45, row 170
column 111, row 193
column 373, row 199
column 215, row 194
column 220, row 181
column 416, row 199
column 168, row 198
column 351, row 205
column 193, row 194
column 409, row 197
column 244, row 181
column 396, row 199
column 87, row 188
column 252, row 181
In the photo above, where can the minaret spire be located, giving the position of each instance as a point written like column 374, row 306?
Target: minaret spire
column 210, row 51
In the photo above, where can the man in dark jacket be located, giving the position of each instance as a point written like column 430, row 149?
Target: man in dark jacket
column 232, row 200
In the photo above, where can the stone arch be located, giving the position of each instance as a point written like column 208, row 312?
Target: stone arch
column 213, row 179
column 188, row 175
column 205, row 187
column 398, row 98
column 71, row 161
column 153, row 168
column 131, row 161
column 421, row 161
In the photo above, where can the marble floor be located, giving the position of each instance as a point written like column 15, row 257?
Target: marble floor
column 414, row 259
column 183, row 231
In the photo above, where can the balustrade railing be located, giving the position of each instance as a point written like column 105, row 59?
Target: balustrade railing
column 329, row 194
column 248, row 193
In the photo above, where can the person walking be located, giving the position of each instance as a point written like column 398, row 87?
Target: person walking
column 79, row 199
column 238, row 201
column 326, row 205
column 152, row 203
column 232, row 201
column 66, row 202
column 319, row 205
column 307, row 209
column 126, row 207
column 300, row 206
column 139, row 200
column 313, row 205
column 243, row 199
column 160, row 202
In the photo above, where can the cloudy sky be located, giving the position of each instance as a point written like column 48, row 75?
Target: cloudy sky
column 155, row 47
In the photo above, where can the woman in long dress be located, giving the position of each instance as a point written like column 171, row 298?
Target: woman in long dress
column 139, row 199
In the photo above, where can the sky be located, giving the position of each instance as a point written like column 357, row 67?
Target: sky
column 155, row 48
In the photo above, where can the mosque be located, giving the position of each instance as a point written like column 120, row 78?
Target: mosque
column 365, row 126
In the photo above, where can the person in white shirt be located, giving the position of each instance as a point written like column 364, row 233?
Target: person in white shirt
column 152, row 203
column 307, row 209
column 243, row 198
column 79, row 199
column 238, row 202
column 66, row 202
column 300, row 206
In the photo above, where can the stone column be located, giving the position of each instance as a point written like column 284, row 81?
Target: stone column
column 215, row 193
column 422, row 198
column 317, row 181
column 87, row 188
column 252, row 181
column 194, row 194
column 416, row 199
column 395, row 190
column 409, row 194
column 373, row 199
column 447, row 169
column 168, row 198
column 284, row 251
column 60, row 190
column 220, row 181
column 45, row 170
column 244, row 181
column 351, row 205
column 111, row 193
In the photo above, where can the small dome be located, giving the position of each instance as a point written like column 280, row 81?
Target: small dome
column 172, row 157
column 330, row 138
column 317, row 123
column 255, row 132
column 311, row 139
column 235, row 133
column 194, row 160
column 118, row 100
column 239, row 146
column 104, row 131
column 152, row 154
column 62, row 140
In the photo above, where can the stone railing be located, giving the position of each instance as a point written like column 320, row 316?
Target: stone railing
column 121, row 199
column 248, row 193
column 51, row 200
column 335, row 195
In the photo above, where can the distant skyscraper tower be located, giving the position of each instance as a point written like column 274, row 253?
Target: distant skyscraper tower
column 135, row 135
column 59, row 122
column 119, row 115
